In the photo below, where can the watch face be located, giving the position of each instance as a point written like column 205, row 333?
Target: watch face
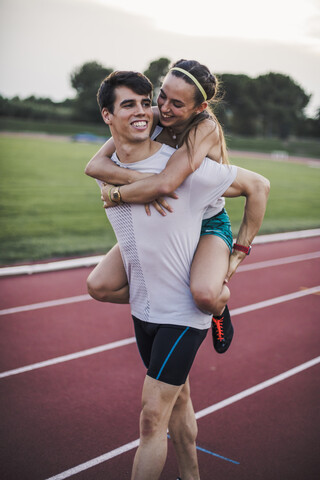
column 116, row 196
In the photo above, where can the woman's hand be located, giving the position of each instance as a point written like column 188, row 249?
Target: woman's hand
column 236, row 258
column 161, row 204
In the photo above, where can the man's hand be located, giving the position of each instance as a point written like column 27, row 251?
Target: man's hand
column 236, row 258
column 105, row 195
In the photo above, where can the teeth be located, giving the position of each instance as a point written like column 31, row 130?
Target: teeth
column 139, row 124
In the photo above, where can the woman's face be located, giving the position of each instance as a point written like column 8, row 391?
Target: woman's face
column 176, row 102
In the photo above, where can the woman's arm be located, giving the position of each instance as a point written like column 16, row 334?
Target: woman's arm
column 103, row 168
column 177, row 170
column 255, row 188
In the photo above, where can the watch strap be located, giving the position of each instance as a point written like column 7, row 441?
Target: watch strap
column 242, row 248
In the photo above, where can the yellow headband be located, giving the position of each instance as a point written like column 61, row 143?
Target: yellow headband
column 195, row 81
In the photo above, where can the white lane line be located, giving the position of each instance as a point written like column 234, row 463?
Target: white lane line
column 71, row 356
column 257, row 388
column 96, row 461
column 275, row 301
column 127, row 341
column 278, row 261
column 50, row 266
column 285, row 236
column 242, row 268
column 50, row 303
column 200, row 414
column 91, row 261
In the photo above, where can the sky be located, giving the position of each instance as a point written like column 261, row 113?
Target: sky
column 43, row 41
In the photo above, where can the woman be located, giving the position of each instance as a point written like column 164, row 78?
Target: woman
column 186, row 124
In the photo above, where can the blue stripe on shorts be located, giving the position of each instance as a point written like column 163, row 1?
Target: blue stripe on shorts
column 169, row 354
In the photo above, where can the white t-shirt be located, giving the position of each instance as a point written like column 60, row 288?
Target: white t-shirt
column 157, row 251
column 211, row 209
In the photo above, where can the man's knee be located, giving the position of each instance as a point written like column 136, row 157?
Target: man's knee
column 184, row 396
column 150, row 420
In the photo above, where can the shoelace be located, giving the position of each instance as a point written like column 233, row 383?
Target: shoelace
column 219, row 327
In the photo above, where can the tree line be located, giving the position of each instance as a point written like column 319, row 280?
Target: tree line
column 268, row 105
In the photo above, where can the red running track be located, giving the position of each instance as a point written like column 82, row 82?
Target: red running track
column 67, row 412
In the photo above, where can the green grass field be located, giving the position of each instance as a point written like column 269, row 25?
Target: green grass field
column 50, row 209
column 50, row 127
column 293, row 146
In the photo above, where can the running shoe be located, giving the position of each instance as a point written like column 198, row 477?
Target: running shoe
column 222, row 331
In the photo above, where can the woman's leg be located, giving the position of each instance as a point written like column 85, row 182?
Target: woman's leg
column 108, row 281
column 210, row 293
column 208, row 272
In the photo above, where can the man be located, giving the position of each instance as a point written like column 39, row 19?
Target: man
column 157, row 253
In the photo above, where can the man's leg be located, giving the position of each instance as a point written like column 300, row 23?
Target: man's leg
column 108, row 281
column 183, row 432
column 158, row 399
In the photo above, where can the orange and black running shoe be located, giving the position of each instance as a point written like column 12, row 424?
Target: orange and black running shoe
column 222, row 331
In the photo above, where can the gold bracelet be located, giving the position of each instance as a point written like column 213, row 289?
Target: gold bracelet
column 109, row 194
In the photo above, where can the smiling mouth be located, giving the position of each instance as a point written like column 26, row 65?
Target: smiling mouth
column 166, row 117
column 140, row 124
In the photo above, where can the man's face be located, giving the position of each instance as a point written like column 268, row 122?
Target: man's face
column 131, row 120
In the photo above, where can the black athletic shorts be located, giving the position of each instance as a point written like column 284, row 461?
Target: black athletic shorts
column 168, row 351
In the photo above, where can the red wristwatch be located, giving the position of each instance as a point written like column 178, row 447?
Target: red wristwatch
column 241, row 248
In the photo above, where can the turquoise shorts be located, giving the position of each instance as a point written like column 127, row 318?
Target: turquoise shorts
column 220, row 226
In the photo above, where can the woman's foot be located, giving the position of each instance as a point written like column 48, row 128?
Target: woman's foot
column 222, row 331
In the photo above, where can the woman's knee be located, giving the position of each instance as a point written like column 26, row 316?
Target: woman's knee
column 205, row 296
column 96, row 289
column 210, row 298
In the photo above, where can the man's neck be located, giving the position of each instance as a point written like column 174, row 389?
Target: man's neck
column 134, row 152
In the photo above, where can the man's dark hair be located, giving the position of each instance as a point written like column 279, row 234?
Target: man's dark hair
column 136, row 81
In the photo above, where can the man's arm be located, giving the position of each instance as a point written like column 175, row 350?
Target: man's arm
column 103, row 168
column 255, row 188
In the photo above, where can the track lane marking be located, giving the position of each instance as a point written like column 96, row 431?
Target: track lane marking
column 127, row 341
column 71, row 356
column 202, row 413
column 82, row 298
column 275, row 301
column 279, row 261
column 50, row 303
column 94, row 260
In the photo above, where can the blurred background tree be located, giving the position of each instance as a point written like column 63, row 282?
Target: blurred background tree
column 86, row 80
column 156, row 72
column 271, row 105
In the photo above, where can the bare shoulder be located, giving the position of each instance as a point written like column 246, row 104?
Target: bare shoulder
column 207, row 130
